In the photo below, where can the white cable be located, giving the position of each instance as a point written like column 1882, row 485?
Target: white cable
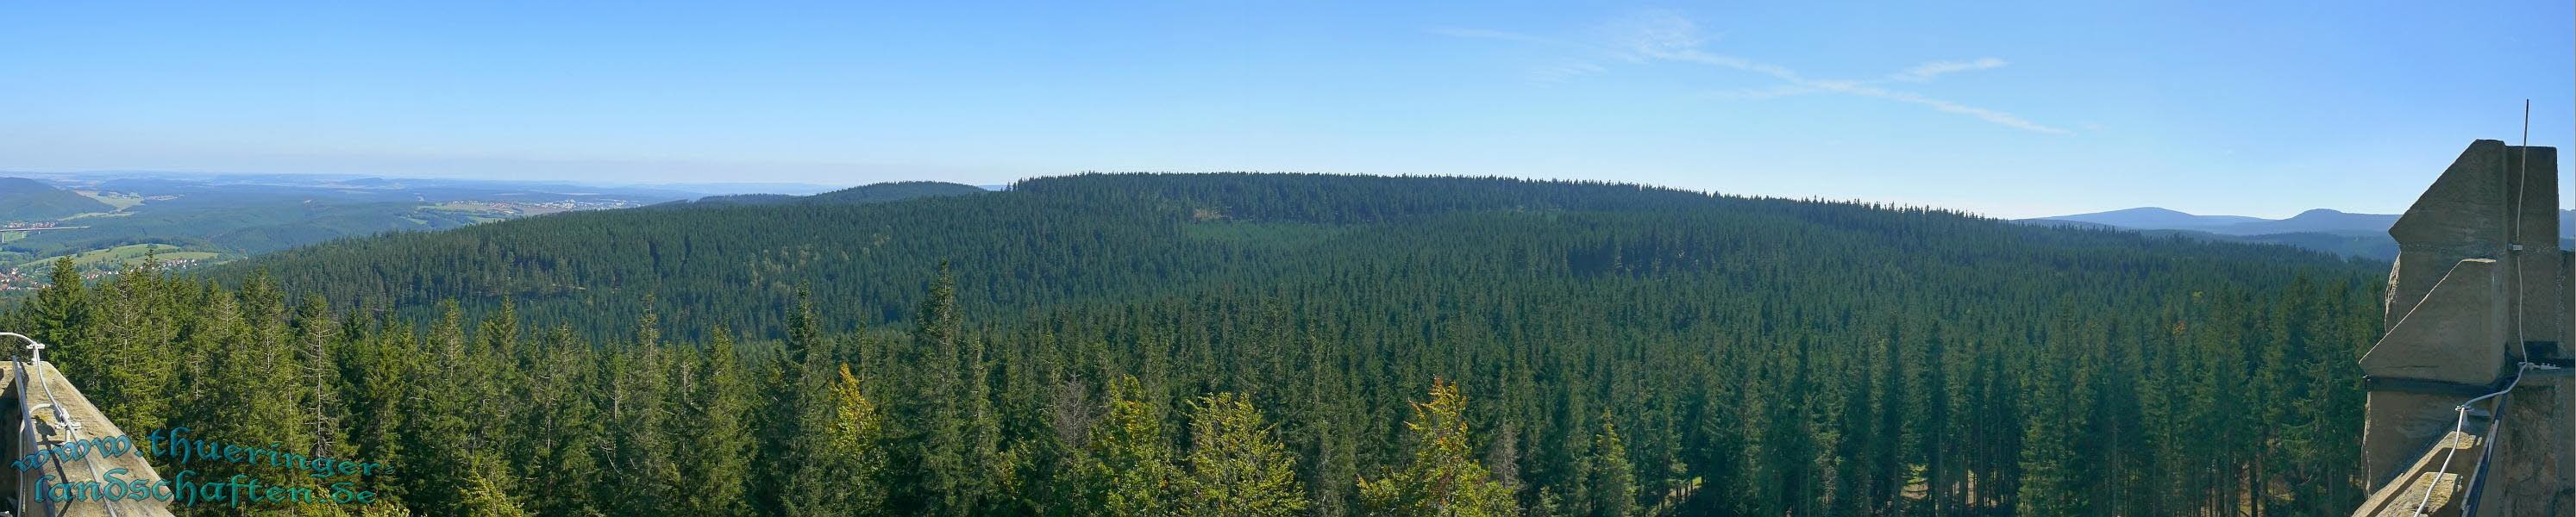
column 26, row 422
column 71, row 431
column 2460, row 427
column 26, row 412
column 2487, row 449
column 2458, row 431
column 34, row 347
column 71, row 428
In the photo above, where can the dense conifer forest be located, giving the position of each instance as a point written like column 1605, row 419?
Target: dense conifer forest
column 1262, row 344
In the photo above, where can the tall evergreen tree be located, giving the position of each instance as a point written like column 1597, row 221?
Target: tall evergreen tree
column 1609, row 486
column 843, row 464
column 940, row 410
column 713, row 431
column 1442, row 477
column 59, row 309
column 1235, row 466
column 634, row 402
column 317, row 356
column 1131, row 469
column 559, row 394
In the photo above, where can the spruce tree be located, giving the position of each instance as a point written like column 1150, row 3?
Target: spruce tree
column 714, row 434
column 1130, row 469
column 634, row 402
column 939, row 411
column 440, row 437
column 1235, row 466
column 1609, row 486
column 381, row 374
column 1441, row 476
column 843, row 461
column 317, row 348
column 559, row 394
column 123, row 356
column 485, row 491
column 58, row 309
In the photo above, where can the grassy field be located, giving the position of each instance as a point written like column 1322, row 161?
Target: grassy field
column 488, row 211
column 115, row 199
column 121, row 255
column 97, row 214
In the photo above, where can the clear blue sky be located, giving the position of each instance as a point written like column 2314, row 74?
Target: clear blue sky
column 2009, row 109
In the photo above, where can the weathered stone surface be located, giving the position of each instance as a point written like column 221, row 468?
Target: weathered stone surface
column 2534, row 451
column 2456, row 335
column 2479, row 278
column 2462, row 215
column 2481, row 207
column 2429, row 484
column 2401, row 427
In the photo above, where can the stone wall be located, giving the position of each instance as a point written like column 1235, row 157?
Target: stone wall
column 2480, row 286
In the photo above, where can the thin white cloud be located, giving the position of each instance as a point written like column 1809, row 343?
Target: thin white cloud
column 1559, row 72
column 1666, row 36
column 1927, row 71
column 1755, row 94
column 1798, row 84
column 1556, row 71
column 1653, row 33
column 1467, row 33
column 1988, row 115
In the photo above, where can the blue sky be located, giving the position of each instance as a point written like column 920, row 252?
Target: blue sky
column 2005, row 108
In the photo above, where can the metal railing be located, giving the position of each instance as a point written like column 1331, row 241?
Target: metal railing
column 31, row 440
column 2486, row 446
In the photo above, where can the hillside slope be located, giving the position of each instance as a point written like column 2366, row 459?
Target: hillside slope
column 1055, row 240
column 872, row 193
column 894, row 191
column 23, row 199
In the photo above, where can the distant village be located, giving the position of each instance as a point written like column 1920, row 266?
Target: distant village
column 526, row 208
column 36, row 275
column 29, row 278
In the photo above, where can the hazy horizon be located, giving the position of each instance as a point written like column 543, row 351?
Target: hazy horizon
column 802, row 188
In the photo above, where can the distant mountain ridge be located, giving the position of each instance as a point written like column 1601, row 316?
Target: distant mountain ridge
column 872, row 193
column 2328, row 230
column 2153, row 217
column 2156, row 218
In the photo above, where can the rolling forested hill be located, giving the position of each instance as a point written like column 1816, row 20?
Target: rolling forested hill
column 1271, row 344
column 1055, row 240
column 23, row 199
column 873, row 193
